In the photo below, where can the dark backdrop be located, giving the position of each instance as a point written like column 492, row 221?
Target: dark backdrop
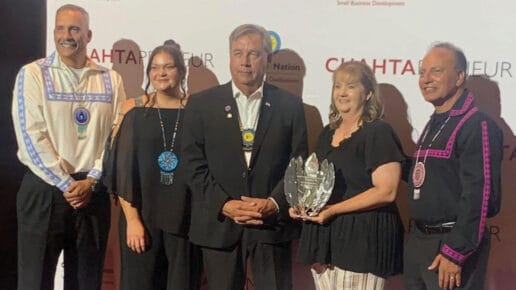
column 22, row 40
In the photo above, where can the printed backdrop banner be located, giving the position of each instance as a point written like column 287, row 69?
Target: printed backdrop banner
column 311, row 38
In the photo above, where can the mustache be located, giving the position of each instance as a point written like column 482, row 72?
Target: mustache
column 68, row 42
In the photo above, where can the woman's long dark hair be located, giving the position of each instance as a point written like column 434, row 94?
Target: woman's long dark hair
column 174, row 50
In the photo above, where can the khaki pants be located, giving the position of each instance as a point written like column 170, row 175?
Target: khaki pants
column 329, row 277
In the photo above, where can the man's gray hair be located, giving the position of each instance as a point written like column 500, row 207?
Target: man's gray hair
column 252, row 29
column 73, row 7
column 461, row 63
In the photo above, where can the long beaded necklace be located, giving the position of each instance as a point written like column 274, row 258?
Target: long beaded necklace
column 168, row 160
column 81, row 114
column 418, row 175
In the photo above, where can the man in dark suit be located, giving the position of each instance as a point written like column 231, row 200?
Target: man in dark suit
column 238, row 140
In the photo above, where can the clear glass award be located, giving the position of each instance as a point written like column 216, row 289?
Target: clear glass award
column 307, row 185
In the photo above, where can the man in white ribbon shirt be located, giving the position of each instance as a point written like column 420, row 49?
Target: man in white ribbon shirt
column 63, row 109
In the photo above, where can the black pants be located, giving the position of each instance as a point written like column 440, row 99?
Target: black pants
column 271, row 266
column 420, row 251
column 47, row 225
column 171, row 262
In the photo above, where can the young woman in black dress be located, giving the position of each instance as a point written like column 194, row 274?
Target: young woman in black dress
column 147, row 176
column 356, row 241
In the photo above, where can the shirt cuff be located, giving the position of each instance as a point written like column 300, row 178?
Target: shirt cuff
column 95, row 174
column 452, row 255
column 275, row 203
column 63, row 186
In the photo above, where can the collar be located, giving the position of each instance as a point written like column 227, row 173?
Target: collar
column 258, row 94
column 55, row 61
column 463, row 104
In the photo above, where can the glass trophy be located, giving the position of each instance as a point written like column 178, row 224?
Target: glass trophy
column 308, row 185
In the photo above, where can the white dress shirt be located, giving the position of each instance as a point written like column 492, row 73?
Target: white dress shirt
column 248, row 110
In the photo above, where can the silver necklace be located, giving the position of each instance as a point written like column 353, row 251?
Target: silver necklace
column 419, row 172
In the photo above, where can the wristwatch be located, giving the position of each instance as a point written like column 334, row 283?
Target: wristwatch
column 93, row 182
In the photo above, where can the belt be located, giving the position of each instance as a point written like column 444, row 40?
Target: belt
column 429, row 229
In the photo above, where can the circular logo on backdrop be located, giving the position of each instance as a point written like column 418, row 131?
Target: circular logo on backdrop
column 276, row 41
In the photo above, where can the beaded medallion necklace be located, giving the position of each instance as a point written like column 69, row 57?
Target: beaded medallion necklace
column 168, row 160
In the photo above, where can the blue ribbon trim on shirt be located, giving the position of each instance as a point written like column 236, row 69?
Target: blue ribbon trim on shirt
column 33, row 153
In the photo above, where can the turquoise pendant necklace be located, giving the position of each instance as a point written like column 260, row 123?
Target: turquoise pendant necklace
column 168, row 160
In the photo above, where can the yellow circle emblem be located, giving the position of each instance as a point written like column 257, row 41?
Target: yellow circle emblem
column 248, row 137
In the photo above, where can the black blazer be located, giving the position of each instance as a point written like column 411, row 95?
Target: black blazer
column 217, row 171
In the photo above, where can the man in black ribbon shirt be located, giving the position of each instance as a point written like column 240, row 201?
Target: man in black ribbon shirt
column 454, row 183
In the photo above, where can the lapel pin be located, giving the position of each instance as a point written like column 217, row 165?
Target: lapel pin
column 229, row 116
column 227, row 108
column 267, row 104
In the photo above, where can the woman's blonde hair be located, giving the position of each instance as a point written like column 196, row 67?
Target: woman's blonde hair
column 373, row 108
